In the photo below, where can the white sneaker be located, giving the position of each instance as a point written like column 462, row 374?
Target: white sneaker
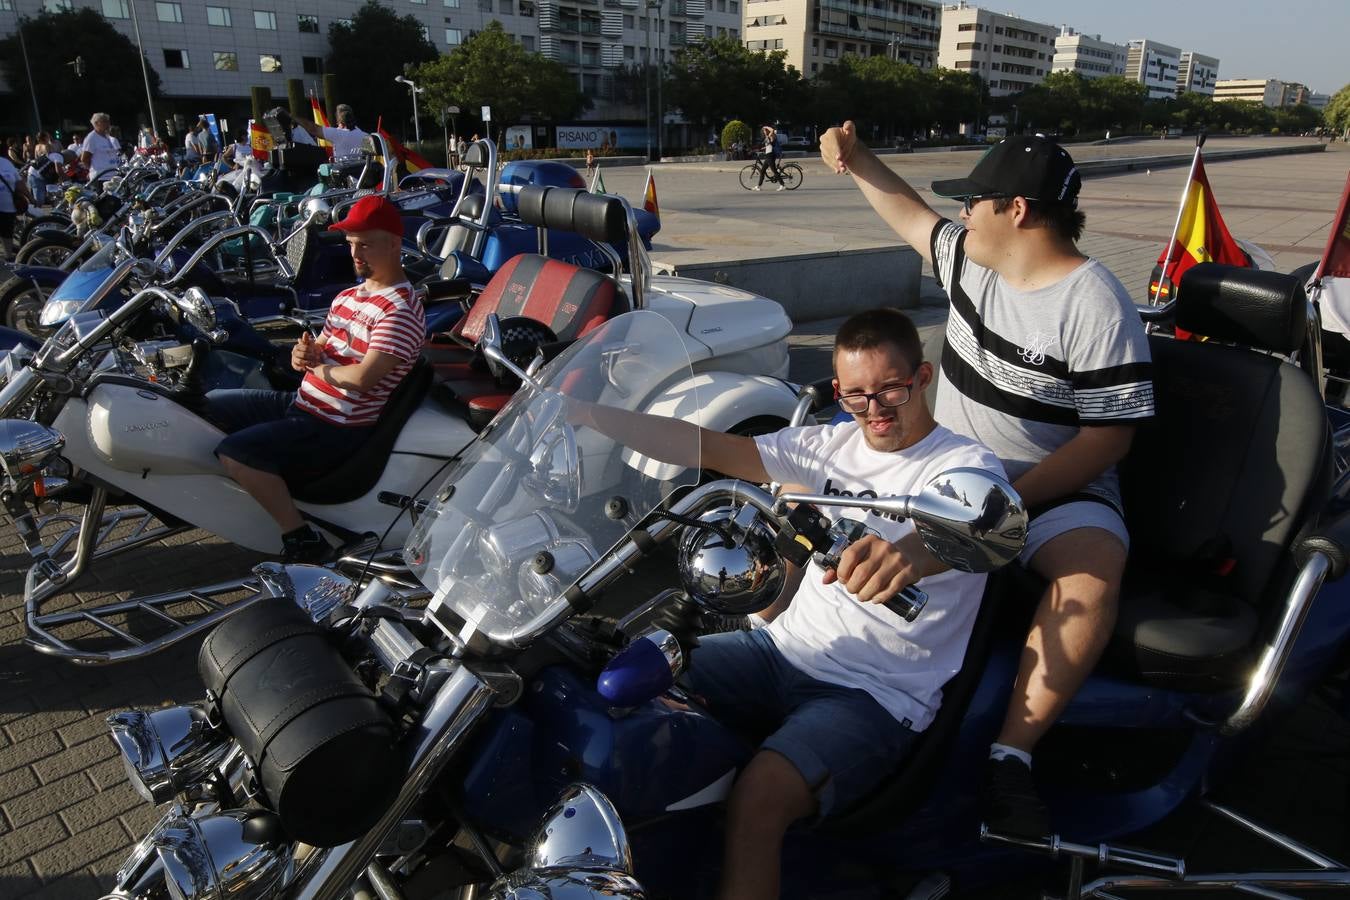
column 781, row 188
column 755, row 188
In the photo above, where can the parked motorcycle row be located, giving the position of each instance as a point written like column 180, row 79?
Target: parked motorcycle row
column 480, row 698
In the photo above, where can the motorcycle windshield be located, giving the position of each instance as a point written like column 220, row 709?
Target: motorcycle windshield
column 557, row 479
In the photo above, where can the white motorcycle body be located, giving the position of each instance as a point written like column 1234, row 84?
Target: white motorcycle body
column 162, row 454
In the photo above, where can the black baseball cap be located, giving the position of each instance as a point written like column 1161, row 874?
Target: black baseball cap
column 1033, row 167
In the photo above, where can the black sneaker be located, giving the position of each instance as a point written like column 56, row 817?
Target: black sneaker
column 305, row 546
column 1009, row 802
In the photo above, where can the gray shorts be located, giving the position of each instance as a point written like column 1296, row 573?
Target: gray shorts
column 1070, row 516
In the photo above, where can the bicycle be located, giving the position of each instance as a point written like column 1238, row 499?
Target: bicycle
column 791, row 172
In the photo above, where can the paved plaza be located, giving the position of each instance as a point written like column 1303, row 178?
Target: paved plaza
column 67, row 814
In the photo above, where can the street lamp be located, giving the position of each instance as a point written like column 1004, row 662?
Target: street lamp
column 414, row 90
column 653, row 5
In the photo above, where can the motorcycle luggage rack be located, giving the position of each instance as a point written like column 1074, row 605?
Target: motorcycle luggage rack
column 106, row 631
column 1159, row 872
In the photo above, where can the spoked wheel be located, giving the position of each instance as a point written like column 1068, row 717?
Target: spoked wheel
column 49, row 248
column 750, row 176
column 21, row 302
column 792, row 176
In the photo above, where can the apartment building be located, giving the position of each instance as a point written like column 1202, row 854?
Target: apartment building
column 1198, row 74
column 816, row 33
column 1011, row 54
column 1154, row 65
column 1271, row 92
column 220, row 48
column 1087, row 54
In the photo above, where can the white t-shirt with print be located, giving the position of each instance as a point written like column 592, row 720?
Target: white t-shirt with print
column 827, row 632
column 104, row 153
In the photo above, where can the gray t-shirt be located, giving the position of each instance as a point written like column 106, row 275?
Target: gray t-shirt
column 1023, row 370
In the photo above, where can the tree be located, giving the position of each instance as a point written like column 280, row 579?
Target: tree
column 491, row 69
column 1337, row 113
column 113, row 83
column 721, row 79
column 368, row 54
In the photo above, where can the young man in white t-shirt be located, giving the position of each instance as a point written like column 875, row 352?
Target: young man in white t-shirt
column 1047, row 363
column 837, row 685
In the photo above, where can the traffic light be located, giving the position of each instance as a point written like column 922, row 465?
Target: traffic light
column 79, row 66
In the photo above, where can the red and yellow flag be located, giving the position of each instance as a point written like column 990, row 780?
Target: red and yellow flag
column 649, row 196
column 1201, row 237
column 410, row 160
column 260, row 139
column 320, row 119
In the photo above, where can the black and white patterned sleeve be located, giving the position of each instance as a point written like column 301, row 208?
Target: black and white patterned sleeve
column 1113, row 377
column 946, row 247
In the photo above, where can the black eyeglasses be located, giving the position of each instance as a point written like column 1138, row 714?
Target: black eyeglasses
column 887, row 398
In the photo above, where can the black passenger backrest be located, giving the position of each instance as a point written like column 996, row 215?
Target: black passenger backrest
column 598, row 217
column 1238, row 456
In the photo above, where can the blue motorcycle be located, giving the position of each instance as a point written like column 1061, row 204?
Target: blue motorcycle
column 525, row 646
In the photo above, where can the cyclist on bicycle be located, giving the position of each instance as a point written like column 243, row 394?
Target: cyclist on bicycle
column 773, row 151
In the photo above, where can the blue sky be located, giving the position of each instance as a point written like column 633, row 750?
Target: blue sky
column 1294, row 40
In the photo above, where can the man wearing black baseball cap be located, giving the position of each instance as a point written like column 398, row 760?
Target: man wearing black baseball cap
column 1045, row 362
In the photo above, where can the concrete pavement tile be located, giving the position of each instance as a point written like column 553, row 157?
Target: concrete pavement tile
column 35, row 748
column 105, row 806
column 40, row 801
column 16, row 783
column 138, row 820
column 30, row 725
column 24, row 843
column 62, row 867
column 78, row 758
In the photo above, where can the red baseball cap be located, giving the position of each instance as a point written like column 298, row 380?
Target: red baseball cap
column 371, row 213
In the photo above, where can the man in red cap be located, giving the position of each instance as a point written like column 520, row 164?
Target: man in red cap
column 372, row 337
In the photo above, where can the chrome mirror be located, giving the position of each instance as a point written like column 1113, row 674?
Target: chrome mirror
column 970, row 519
column 25, row 447
column 198, row 309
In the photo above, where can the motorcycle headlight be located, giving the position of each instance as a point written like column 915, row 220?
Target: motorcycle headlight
column 168, row 750
column 25, row 446
column 239, row 854
column 58, row 312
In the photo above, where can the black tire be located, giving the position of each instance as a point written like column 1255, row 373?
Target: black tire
column 750, row 176
column 21, row 302
column 792, row 176
column 43, row 223
column 49, row 248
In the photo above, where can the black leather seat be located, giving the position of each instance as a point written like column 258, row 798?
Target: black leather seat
column 1235, row 464
column 360, row 473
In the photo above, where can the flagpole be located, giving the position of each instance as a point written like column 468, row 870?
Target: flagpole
column 1181, row 211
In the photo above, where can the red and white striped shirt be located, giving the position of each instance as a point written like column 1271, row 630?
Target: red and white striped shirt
column 390, row 321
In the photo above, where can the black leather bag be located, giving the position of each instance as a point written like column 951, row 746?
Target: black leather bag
column 323, row 748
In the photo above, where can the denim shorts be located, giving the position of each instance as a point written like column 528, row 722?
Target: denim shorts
column 841, row 740
column 266, row 431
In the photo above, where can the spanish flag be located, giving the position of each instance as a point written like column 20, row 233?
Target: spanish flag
column 410, row 160
column 260, row 139
column 1201, row 236
column 598, row 182
column 649, row 196
column 320, row 119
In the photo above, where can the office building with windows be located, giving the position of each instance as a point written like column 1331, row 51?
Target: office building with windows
column 1197, row 74
column 218, row 49
column 1087, row 54
column 1271, row 92
column 1011, row 54
column 1155, row 66
column 816, row 33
